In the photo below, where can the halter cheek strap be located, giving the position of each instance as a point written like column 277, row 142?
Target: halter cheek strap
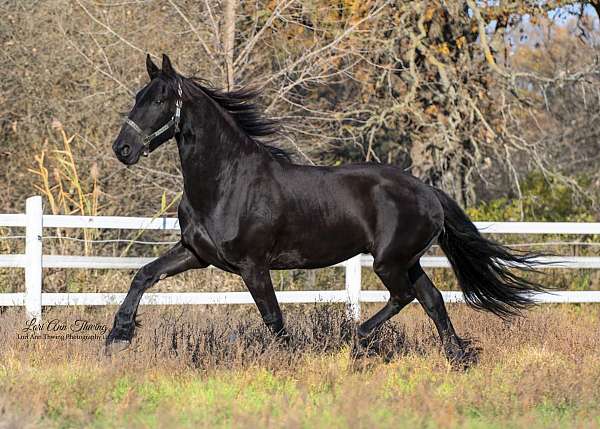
column 174, row 121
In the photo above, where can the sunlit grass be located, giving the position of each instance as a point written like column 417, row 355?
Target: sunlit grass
column 537, row 372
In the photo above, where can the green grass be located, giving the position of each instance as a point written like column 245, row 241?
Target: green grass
column 405, row 393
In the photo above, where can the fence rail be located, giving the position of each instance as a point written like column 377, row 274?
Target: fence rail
column 33, row 261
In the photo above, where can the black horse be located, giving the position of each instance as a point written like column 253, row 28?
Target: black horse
column 247, row 209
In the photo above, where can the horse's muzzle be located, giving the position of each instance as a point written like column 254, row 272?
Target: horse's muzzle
column 126, row 153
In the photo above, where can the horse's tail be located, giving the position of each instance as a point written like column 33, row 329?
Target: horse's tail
column 482, row 266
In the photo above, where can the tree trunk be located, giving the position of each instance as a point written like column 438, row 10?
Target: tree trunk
column 229, row 40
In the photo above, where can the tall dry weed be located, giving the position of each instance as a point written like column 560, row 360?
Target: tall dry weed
column 67, row 190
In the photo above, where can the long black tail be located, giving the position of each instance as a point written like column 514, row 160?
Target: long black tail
column 482, row 266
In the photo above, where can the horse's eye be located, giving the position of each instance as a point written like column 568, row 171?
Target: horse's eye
column 159, row 101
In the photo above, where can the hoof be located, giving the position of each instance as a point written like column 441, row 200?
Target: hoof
column 116, row 346
column 366, row 347
column 462, row 359
column 284, row 340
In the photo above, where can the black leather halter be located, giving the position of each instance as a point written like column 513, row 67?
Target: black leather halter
column 174, row 121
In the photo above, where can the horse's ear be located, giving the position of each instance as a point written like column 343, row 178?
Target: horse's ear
column 153, row 70
column 167, row 68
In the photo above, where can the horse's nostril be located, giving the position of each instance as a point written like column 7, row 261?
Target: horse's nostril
column 126, row 150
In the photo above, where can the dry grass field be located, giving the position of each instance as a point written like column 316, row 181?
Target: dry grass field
column 217, row 367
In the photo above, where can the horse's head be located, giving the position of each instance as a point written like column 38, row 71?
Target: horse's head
column 155, row 116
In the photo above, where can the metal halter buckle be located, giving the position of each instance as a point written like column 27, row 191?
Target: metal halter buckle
column 174, row 121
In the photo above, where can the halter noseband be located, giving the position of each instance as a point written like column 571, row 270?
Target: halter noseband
column 147, row 138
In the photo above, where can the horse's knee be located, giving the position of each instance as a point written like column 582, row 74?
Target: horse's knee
column 145, row 278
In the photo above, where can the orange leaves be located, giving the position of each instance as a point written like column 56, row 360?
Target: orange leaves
column 431, row 110
column 443, row 49
column 358, row 10
column 429, row 13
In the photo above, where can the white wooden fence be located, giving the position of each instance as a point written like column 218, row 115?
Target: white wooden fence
column 33, row 261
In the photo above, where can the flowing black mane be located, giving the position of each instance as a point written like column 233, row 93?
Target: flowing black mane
column 241, row 105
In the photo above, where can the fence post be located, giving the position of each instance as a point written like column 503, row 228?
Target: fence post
column 353, row 281
column 33, row 257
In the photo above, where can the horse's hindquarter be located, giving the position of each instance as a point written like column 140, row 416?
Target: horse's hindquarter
column 332, row 214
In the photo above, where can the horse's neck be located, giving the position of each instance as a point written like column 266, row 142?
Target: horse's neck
column 213, row 156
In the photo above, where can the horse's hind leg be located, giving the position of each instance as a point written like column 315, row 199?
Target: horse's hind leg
column 430, row 298
column 402, row 293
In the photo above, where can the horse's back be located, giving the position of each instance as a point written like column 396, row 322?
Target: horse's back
column 361, row 187
column 331, row 213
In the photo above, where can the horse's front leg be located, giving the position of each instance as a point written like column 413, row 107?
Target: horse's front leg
column 177, row 260
column 258, row 282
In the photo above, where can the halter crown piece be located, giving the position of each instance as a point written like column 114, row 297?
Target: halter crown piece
column 174, row 121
